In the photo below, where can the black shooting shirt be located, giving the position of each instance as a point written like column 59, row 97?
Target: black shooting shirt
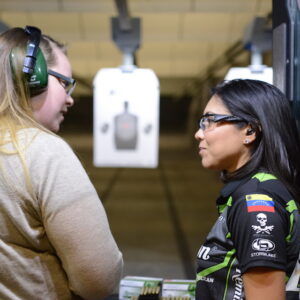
column 258, row 226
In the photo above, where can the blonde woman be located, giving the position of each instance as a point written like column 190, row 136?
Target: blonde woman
column 55, row 240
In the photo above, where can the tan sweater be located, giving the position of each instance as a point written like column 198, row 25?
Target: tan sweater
column 55, row 242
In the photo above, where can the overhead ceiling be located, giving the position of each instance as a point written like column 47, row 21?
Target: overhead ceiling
column 180, row 38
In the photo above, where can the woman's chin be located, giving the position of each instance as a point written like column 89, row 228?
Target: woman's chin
column 209, row 165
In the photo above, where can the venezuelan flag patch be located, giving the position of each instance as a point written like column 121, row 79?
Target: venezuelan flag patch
column 259, row 202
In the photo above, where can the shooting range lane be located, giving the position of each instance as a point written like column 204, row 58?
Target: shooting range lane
column 159, row 217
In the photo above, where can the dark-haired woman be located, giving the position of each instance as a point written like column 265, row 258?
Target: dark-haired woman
column 248, row 133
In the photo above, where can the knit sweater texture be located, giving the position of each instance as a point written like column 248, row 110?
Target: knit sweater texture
column 55, row 240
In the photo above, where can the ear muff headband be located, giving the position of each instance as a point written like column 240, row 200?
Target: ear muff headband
column 32, row 49
column 34, row 65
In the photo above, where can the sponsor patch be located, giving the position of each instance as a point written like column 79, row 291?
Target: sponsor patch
column 262, row 228
column 263, row 245
column 259, row 202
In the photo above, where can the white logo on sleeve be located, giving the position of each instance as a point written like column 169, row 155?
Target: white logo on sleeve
column 263, row 245
column 262, row 228
column 203, row 253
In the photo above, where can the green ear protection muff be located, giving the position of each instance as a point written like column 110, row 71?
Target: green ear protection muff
column 38, row 79
column 34, row 65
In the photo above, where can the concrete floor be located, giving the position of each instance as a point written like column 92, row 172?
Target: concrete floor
column 159, row 217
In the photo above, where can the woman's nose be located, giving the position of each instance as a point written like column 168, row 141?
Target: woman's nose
column 70, row 101
column 199, row 134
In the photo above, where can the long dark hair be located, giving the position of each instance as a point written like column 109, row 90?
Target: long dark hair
column 277, row 147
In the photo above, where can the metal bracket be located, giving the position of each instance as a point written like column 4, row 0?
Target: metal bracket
column 126, row 32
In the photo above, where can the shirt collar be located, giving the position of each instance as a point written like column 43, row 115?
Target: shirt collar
column 229, row 188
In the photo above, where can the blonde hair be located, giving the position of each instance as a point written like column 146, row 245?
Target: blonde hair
column 15, row 101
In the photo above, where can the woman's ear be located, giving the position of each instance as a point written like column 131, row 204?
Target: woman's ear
column 250, row 134
column 250, row 131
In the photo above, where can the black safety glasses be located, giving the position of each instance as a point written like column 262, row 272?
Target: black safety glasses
column 67, row 83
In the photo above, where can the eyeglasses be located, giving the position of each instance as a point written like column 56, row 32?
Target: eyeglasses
column 67, row 83
column 208, row 121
